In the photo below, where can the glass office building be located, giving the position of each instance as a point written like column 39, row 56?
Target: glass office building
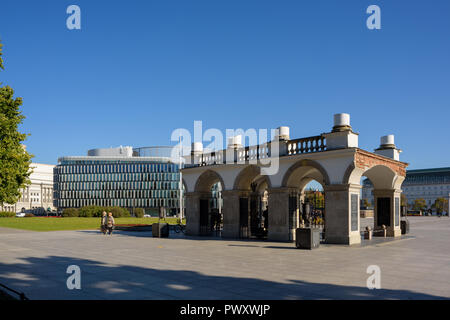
column 118, row 177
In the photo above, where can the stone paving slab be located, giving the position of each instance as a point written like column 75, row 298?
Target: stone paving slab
column 133, row 265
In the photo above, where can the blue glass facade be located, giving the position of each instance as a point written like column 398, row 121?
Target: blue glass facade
column 128, row 182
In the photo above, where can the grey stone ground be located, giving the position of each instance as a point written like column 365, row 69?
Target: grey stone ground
column 137, row 266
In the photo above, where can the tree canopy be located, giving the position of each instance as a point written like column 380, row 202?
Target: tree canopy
column 420, row 204
column 440, row 205
column 14, row 159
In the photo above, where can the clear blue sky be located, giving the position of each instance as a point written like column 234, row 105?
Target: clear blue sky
column 137, row 70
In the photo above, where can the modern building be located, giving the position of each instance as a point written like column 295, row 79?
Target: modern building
column 428, row 184
column 37, row 197
column 145, row 178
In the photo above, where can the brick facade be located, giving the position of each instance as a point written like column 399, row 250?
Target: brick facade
column 366, row 160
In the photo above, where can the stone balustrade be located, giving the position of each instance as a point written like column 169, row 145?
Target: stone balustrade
column 306, row 145
column 251, row 154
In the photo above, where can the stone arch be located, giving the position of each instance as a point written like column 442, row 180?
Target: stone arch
column 184, row 185
column 206, row 180
column 262, row 183
column 348, row 173
column 304, row 163
column 246, row 176
column 304, row 182
column 381, row 176
column 383, row 172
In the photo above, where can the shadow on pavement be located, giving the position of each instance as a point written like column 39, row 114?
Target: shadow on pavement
column 46, row 277
column 375, row 241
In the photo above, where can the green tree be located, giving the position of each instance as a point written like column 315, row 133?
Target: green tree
column 420, row 204
column 316, row 198
column 139, row 212
column 404, row 200
column 14, row 159
column 365, row 203
column 440, row 205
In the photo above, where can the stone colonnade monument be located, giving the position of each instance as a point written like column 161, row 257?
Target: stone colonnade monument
column 333, row 159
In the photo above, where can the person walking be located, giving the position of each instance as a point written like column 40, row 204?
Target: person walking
column 103, row 223
column 110, row 223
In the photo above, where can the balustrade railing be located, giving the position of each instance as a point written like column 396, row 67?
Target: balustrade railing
column 258, row 152
column 306, row 145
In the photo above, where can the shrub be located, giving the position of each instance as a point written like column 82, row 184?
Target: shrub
column 70, row 212
column 95, row 211
column 139, row 212
column 91, row 211
column 6, row 214
column 118, row 212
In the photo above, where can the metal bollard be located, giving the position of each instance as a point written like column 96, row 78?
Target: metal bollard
column 368, row 233
column 384, row 230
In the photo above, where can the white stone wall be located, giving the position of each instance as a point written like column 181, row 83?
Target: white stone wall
column 38, row 196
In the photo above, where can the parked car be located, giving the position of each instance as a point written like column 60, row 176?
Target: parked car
column 147, row 216
column 20, row 214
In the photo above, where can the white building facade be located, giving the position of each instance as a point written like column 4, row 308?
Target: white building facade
column 37, row 197
column 428, row 184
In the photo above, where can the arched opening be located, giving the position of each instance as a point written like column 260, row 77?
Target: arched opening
column 380, row 199
column 312, row 196
column 384, row 203
column 208, row 188
column 305, row 181
column 253, row 203
column 366, row 204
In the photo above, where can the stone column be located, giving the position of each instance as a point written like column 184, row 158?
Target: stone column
column 231, row 212
column 42, row 196
column 393, row 229
column 192, row 213
column 342, row 225
column 279, row 229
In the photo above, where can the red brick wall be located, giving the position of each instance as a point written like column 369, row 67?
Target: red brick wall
column 366, row 160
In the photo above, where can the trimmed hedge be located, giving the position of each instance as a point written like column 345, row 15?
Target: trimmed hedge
column 70, row 212
column 6, row 214
column 95, row 211
column 90, row 211
column 118, row 212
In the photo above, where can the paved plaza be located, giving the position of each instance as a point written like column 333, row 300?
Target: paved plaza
column 130, row 265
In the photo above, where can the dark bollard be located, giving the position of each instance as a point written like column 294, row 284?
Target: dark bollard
column 160, row 230
column 307, row 238
column 404, row 226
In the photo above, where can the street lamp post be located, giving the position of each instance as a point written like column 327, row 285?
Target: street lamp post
column 180, row 182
